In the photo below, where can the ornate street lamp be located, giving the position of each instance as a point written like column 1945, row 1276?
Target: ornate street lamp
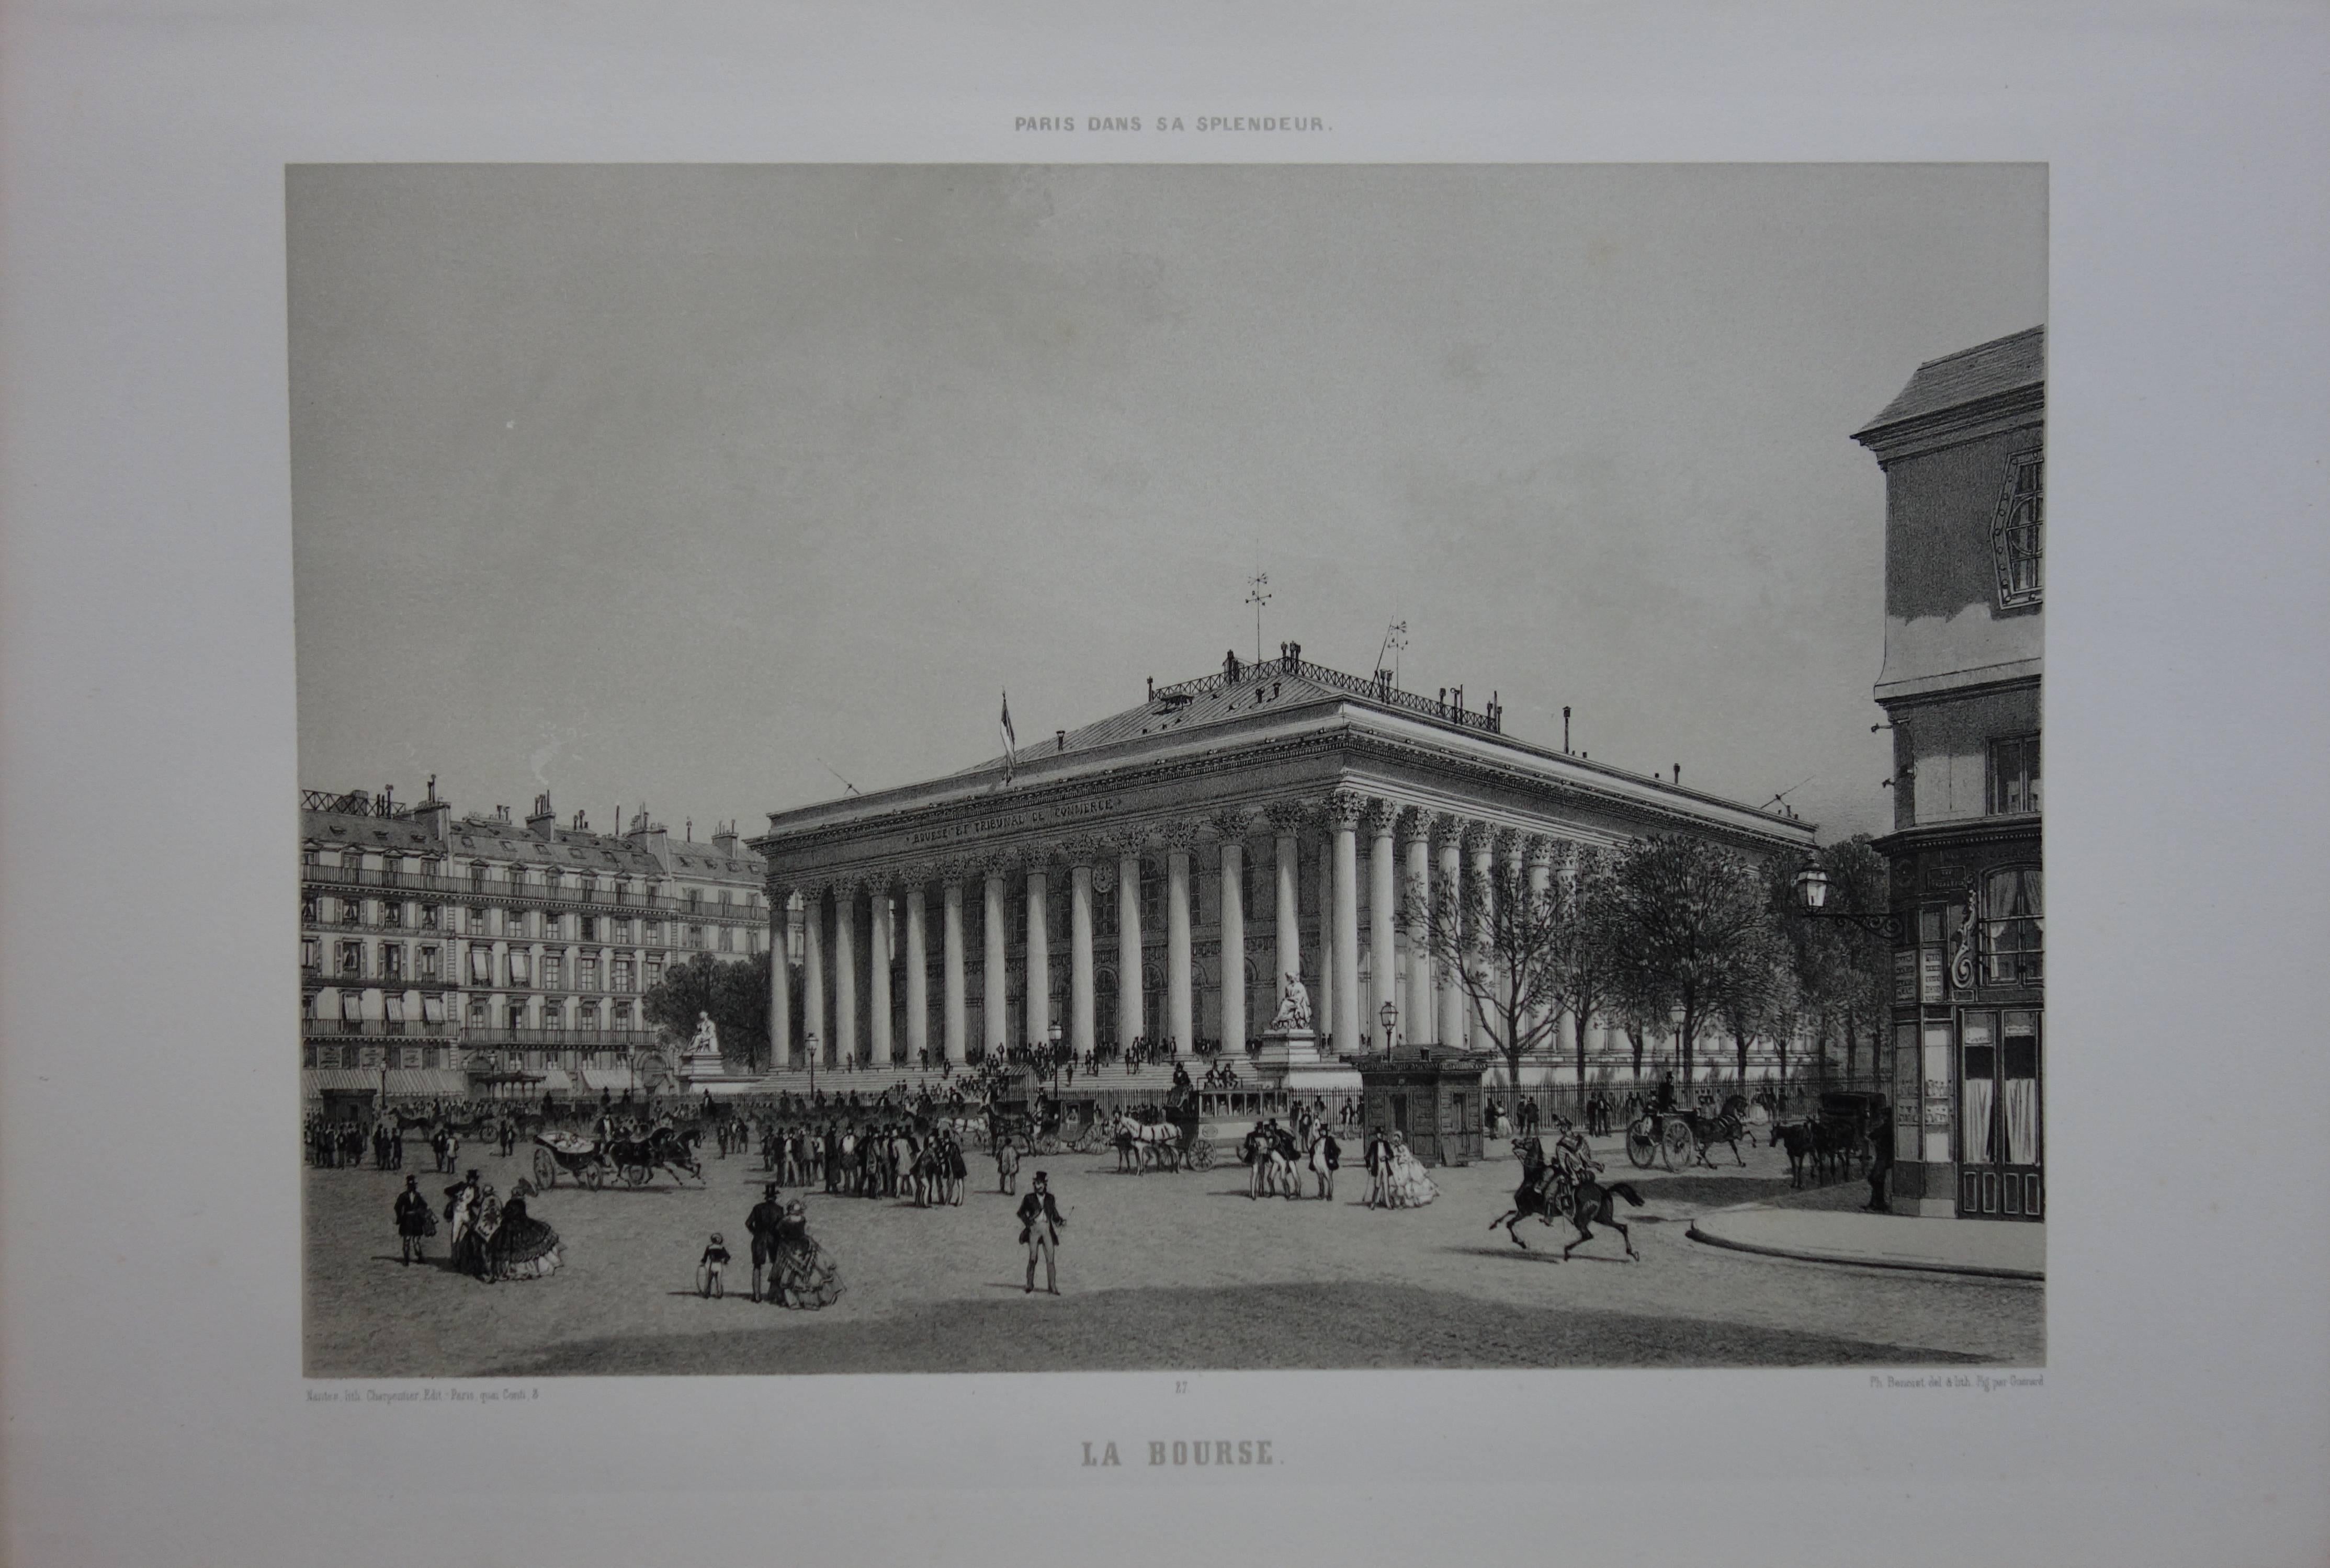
column 1389, row 1017
column 1812, row 902
column 810, row 1043
column 1053, row 1034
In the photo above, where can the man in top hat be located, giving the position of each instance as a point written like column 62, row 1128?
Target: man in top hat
column 1039, row 1227
column 411, row 1220
column 762, row 1225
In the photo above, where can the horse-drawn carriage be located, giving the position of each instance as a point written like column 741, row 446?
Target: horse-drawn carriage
column 1083, row 1124
column 1662, row 1135
column 589, row 1161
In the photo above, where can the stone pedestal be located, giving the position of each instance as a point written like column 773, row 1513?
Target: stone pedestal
column 1290, row 1060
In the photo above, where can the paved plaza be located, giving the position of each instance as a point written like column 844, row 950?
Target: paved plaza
column 1179, row 1270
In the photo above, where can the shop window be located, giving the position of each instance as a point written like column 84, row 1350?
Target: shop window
column 2017, row 535
column 2018, row 1087
column 2012, row 928
column 2013, row 775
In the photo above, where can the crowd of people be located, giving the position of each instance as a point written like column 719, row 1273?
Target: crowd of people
column 489, row 1239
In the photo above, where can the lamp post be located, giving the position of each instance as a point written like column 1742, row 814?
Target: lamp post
column 1812, row 902
column 1389, row 1013
column 1053, row 1036
column 808, row 1042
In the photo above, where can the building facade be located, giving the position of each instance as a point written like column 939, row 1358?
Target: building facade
column 1963, row 450
column 464, row 953
column 1154, row 876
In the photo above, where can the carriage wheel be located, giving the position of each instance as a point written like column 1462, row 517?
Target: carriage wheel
column 1046, row 1144
column 637, row 1175
column 1201, row 1155
column 1678, row 1143
column 546, row 1169
column 1641, row 1147
column 594, row 1177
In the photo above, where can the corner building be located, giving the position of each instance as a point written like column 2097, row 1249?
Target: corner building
column 473, row 954
column 1964, row 451
column 1152, row 875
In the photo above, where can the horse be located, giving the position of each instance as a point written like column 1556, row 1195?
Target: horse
column 1726, row 1128
column 1798, row 1138
column 1531, row 1198
column 1157, row 1142
column 1595, row 1203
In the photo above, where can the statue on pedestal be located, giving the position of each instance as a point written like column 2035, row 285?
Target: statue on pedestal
column 1294, row 1008
column 707, row 1038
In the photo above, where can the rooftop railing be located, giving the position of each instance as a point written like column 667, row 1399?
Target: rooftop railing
column 1377, row 689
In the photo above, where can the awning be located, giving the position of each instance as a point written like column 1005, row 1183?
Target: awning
column 314, row 1081
column 428, row 1083
column 556, row 1082
column 617, row 1079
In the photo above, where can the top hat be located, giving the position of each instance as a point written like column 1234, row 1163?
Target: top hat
column 1039, row 1175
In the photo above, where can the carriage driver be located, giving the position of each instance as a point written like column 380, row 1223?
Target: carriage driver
column 762, row 1225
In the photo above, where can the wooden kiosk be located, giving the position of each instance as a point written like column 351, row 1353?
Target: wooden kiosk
column 1432, row 1097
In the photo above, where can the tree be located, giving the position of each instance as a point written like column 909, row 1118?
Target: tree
column 1841, row 969
column 1585, row 959
column 1756, row 996
column 1691, row 923
column 1500, row 940
column 735, row 994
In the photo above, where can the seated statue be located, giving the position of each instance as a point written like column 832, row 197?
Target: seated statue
column 707, row 1036
column 1294, row 1008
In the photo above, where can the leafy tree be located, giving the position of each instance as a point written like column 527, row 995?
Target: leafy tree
column 1691, row 925
column 1757, row 997
column 1841, row 971
column 1503, row 943
column 1585, row 968
column 735, row 994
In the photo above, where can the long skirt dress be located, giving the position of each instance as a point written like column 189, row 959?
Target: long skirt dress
column 522, row 1247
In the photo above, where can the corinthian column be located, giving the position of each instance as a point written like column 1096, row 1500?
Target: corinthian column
column 1422, row 1020
column 1343, row 810
column 812, row 970
column 1449, row 835
column 1082, row 1024
column 957, row 1025
column 1181, row 1025
column 1040, row 952
column 1383, row 893
column 1325, row 997
column 780, row 978
column 998, row 1001
column 1285, row 828
column 1129, row 1026
column 879, row 909
column 1232, row 825
column 918, row 969
column 845, row 972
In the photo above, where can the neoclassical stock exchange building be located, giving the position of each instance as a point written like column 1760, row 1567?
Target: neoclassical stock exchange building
column 1154, row 874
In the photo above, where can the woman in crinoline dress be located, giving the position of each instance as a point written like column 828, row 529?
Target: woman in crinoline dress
column 1408, row 1186
column 522, row 1247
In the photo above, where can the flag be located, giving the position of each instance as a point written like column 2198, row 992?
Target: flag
column 1010, row 740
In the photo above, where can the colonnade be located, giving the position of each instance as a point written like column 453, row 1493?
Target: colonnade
column 1408, row 852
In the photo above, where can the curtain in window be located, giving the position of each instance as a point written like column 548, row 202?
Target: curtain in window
column 2022, row 1090
column 1977, row 1140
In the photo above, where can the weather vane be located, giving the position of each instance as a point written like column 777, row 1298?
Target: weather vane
column 1257, row 598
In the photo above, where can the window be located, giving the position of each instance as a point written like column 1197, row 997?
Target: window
column 553, row 971
column 590, row 928
column 589, row 1014
column 308, row 910
column 311, row 952
column 2014, row 774
column 587, row 979
column 392, row 962
column 351, row 911
column 391, row 912
column 426, row 967
column 518, row 969
column 351, row 1007
column 307, row 1007
column 655, row 932
column 350, row 961
column 432, row 1009
column 2012, row 927
column 695, row 899
column 477, row 877
column 393, row 1006
column 475, row 922
column 727, row 897
column 694, row 938
column 478, row 1015
column 2017, row 536
column 655, row 973
column 623, row 930
column 481, row 967
column 727, row 939
column 622, row 974
column 430, row 917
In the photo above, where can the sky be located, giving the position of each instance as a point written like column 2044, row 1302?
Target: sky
column 712, row 488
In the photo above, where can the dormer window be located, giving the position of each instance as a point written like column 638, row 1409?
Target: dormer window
column 2017, row 536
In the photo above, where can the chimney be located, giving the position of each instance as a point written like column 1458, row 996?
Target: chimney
column 1678, row 767
column 434, row 816
column 1060, row 739
column 725, row 840
column 542, row 821
column 649, row 835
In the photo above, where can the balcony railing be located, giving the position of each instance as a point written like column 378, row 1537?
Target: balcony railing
column 493, row 891
column 374, row 1029
column 507, row 1039
column 1378, row 690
